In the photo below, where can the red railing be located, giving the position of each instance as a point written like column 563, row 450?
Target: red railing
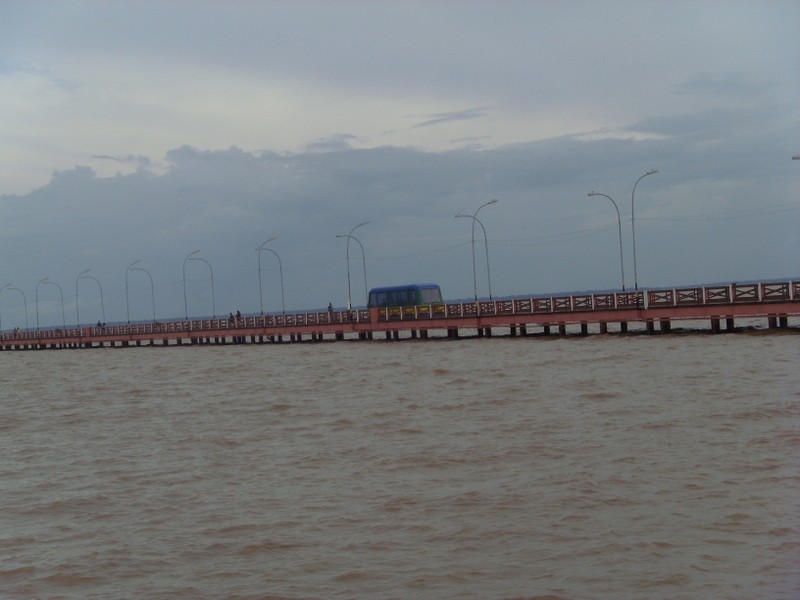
column 758, row 293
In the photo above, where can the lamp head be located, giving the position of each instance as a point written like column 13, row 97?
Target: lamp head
column 652, row 172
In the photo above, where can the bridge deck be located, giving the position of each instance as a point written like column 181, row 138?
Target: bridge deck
column 719, row 306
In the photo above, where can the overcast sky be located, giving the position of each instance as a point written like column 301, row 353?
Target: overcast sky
column 147, row 130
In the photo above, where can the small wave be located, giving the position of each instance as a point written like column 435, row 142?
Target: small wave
column 18, row 572
column 266, row 547
column 351, row 576
column 71, row 579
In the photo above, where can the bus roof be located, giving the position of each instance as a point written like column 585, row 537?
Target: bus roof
column 410, row 286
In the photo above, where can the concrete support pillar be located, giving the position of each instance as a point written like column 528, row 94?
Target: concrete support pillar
column 666, row 325
column 603, row 327
column 651, row 326
column 729, row 326
column 715, row 324
column 584, row 329
column 562, row 329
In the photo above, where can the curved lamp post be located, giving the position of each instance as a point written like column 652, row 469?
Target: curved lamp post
column 61, row 293
column 213, row 301
column 633, row 229
column 349, row 236
column 40, row 282
column 280, row 267
column 1, row 291
column 474, row 218
column 363, row 262
column 619, row 223
column 127, row 303
column 102, row 303
column 77, row 307
column 185, row 304
column 152, row 289
column 8, row 286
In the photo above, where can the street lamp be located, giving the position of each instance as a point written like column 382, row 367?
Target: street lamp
column 619, row 223
column 213, row 301
column 364, row 266
column 280, row 267
column 349, row 236
column 41, row 281
column 1, row 291
column 796, row 157
column 60, row 291
column 474, row 218
column 77, row 307
column 633, row 229
column 185, row 305
column 127, row 303
column 152, row 289
column 24, row 300
column 102, row 303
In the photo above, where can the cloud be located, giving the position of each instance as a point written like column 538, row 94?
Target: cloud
column 339, row 141
column 218, row 129
column 717, row 121
column 545, row 234
column 708, row 84
column 450, row 117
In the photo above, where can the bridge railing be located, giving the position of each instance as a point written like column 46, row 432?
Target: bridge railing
column 656, row 298
column 755, row 293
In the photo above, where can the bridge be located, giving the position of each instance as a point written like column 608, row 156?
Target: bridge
column 649, row 311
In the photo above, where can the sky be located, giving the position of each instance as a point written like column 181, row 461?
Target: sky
column 145, row 131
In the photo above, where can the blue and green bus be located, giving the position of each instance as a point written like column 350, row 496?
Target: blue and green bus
column 414, row 294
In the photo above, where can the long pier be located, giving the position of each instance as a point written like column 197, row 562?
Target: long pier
column 649, row 311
